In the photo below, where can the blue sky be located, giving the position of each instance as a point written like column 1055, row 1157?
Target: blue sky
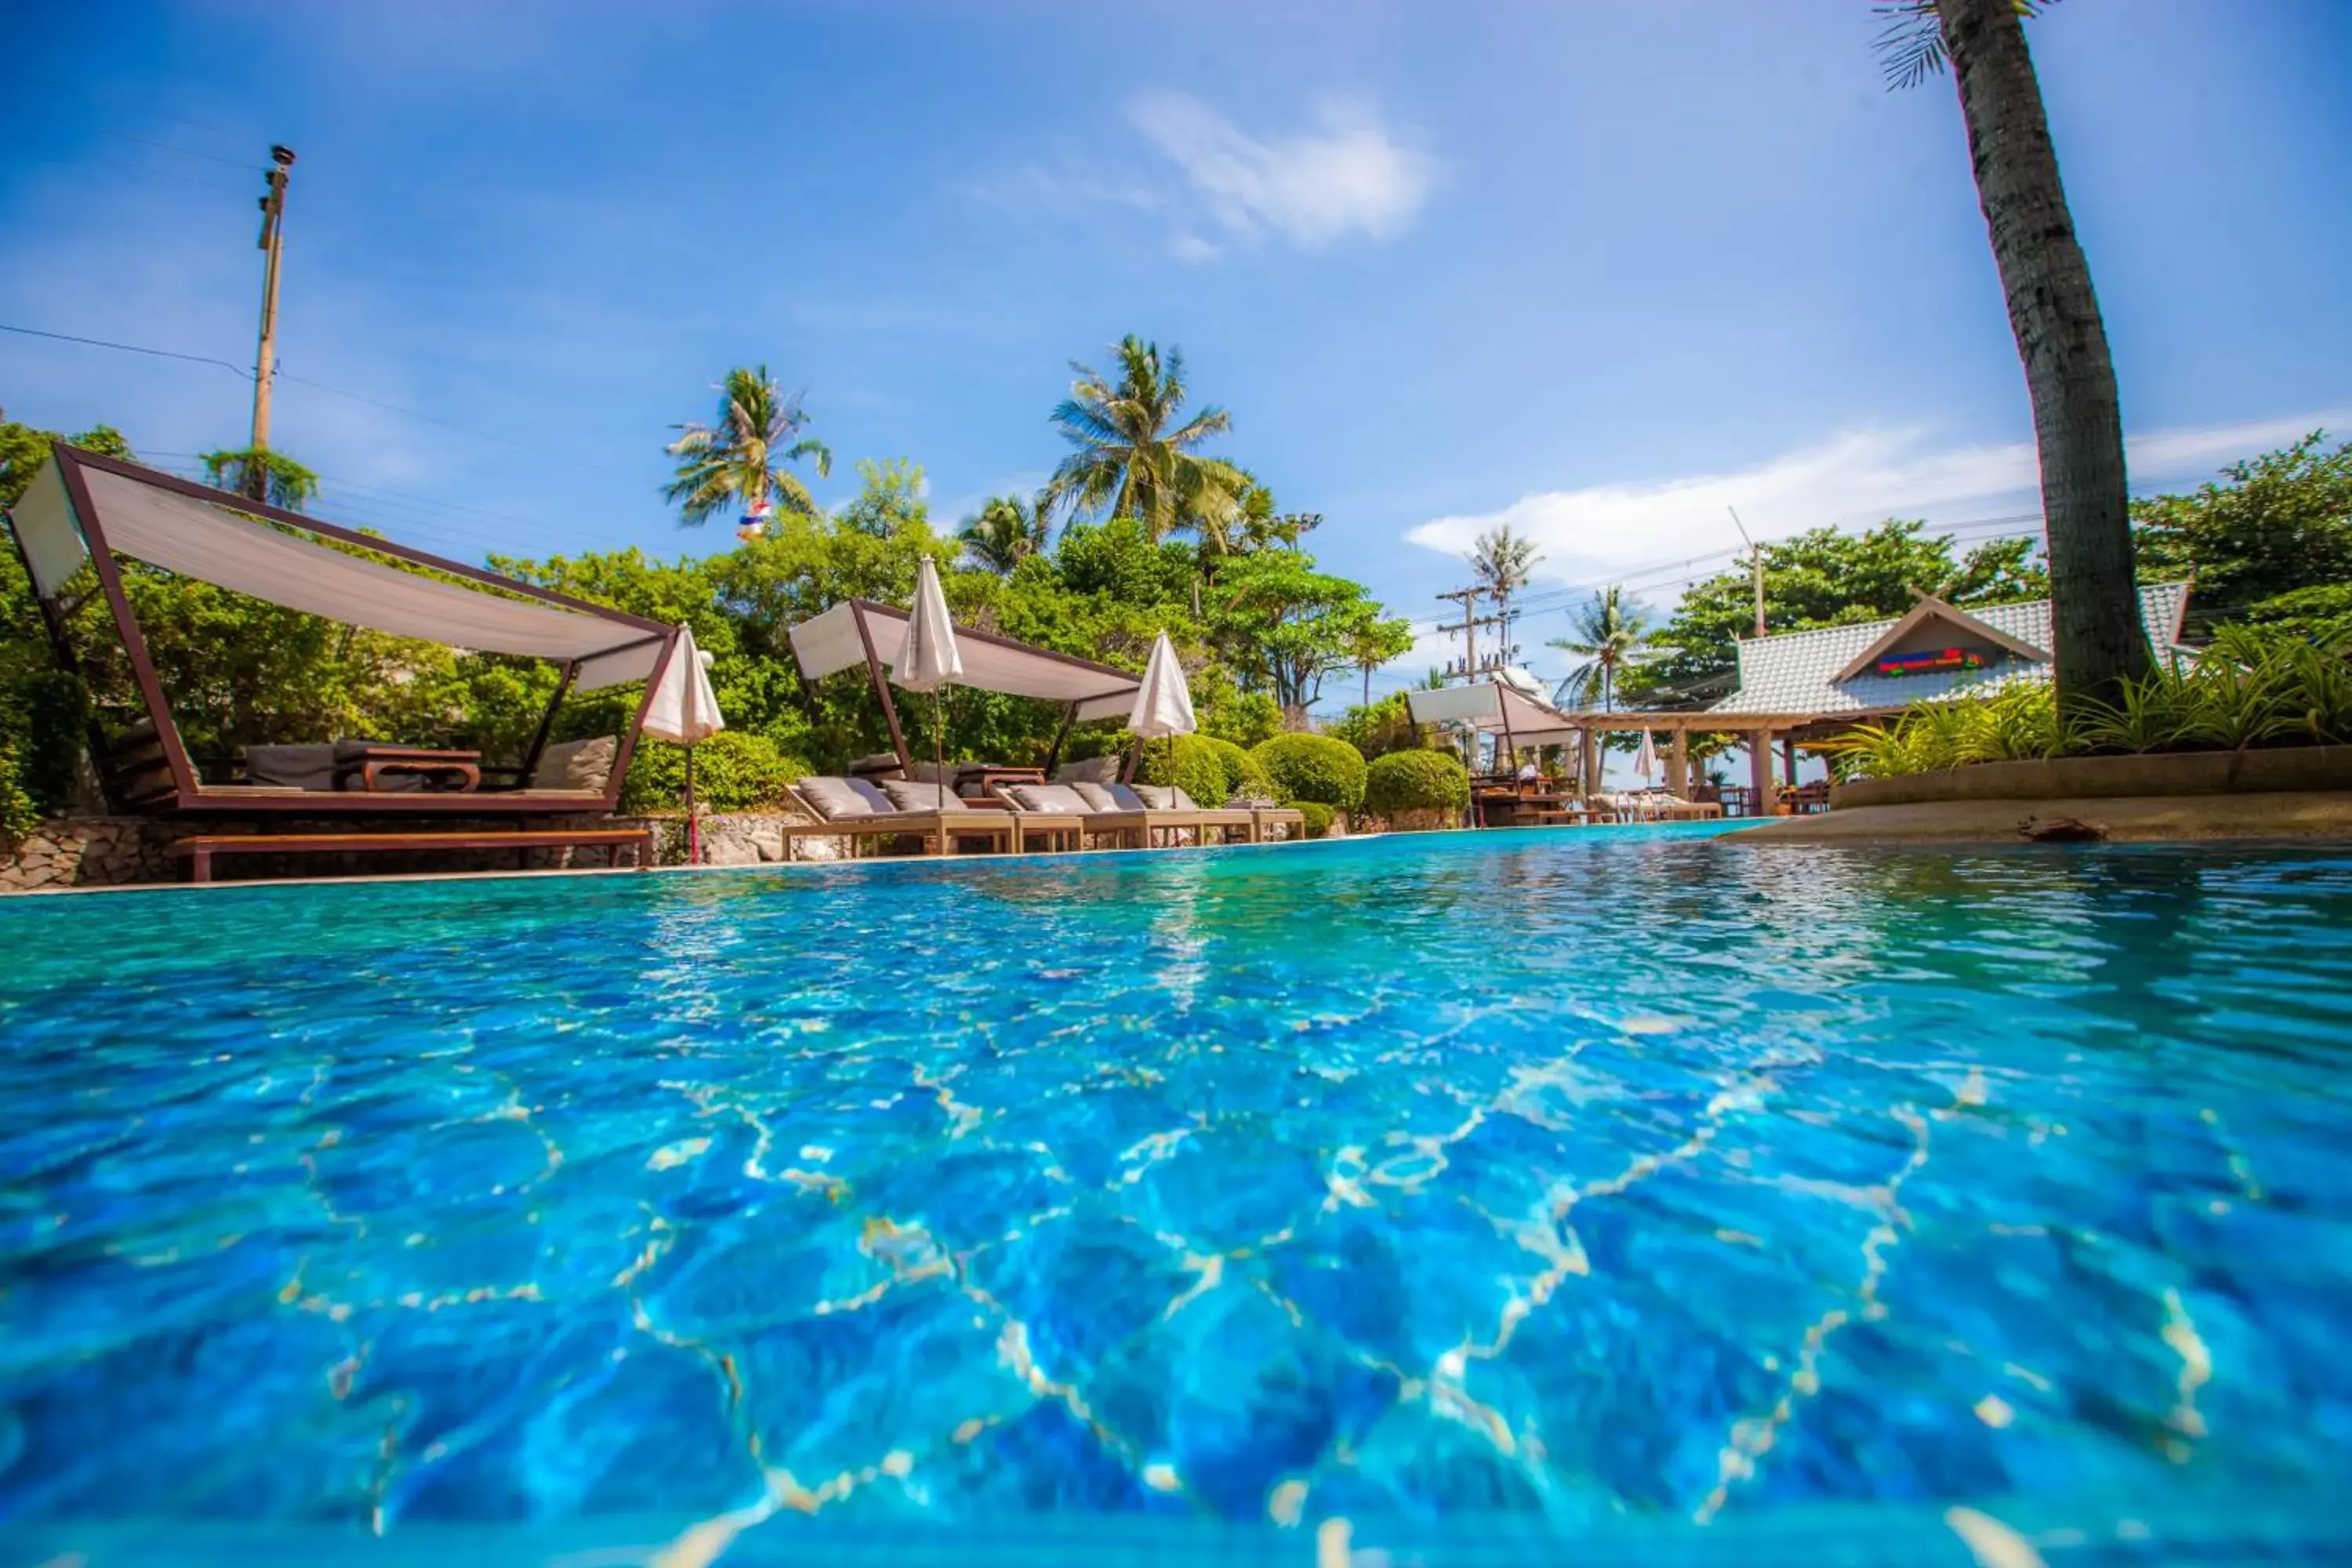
column 1601, row 270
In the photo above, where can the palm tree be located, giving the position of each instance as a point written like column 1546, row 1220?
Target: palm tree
column 2054, row 315
column 737, row 459
column 1007, row 531
column 1505, row 563
column 1609, row 634
column 1129, row 457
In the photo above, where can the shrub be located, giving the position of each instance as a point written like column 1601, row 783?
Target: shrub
column 57, row 734
column 1250, row 718
column 1209, row 770
column 1416, row 781
column 1318, row 816
column 1321, row 768
column 19, row 814
column 733, row 771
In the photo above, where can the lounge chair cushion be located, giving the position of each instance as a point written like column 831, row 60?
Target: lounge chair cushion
column 577, row 764
column 291, row 767
column 1165, row 797
column 1058, row 800
column 836, row 799
column 907, row 796
column 1113, row 796
column 1092, row 770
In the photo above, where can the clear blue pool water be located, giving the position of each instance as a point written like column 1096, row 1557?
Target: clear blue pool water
column 1642, row 1188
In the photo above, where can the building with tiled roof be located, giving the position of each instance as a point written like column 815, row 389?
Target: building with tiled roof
column 1937, row 653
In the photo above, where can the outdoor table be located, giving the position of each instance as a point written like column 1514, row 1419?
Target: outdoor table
column 977, row 782
column 372, row 764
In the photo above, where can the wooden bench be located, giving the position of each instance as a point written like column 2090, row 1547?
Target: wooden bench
column 201, row 848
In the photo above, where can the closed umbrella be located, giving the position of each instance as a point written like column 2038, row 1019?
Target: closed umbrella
column 686, row 710
column 929, row 660
column 1645, row 760
column 1163, row 703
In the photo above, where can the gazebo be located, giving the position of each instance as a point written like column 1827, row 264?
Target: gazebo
column 85, row 509
column 859, row 631
column 1805, row 688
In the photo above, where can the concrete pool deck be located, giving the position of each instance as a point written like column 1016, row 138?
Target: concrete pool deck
column 2128, row 819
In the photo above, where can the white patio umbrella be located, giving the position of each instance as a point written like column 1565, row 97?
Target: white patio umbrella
column 1646, row 759
column 1163, row 703
column 686, row 710
column 929, row 660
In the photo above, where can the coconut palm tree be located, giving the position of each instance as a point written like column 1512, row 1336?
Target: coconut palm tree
column 1129, row 457
column 2054, row 315
column 1505, row 563
column 1007, row 531
column 737, row 459
column 1609, row 634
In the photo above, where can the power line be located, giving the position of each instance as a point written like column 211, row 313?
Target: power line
column 128, row 348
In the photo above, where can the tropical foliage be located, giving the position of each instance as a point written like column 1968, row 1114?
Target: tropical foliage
column 1314, row 767
column 1131, row 457
column 1006, row 531
column 1416, row 781
column 2270, row 543
column 737, row 460
column 263, row 476
column 2251, row 687
column 733, row 771
column 1609, row 638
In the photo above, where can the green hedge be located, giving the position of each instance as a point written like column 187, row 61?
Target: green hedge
column 1318, row 816
column 733, row 771
column 1416, row 781
column 1319, row 768
column 1209, row 770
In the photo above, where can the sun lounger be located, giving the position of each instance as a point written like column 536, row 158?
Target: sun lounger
column 1122, row 813
column 861, row 811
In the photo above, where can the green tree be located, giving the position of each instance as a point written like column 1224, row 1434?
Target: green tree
column 1504, row 562
column 890, row 501
column 1006, row 531
column 1129, row 457
column 1373, row 642
column 737, row 459
column 262, row 475
column 2099, row 642
column 1608, row 638
column 1824, row 578
column 2271, row 543
column 1283, row 626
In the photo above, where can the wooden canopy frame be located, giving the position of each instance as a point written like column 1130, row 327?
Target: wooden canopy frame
column 878, row 672
column 189, row 794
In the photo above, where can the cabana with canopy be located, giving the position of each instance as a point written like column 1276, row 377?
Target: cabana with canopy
column 82, row 507
column 859, row 631
column 1493, row 708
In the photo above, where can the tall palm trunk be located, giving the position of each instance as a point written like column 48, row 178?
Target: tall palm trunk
column 2077, row 423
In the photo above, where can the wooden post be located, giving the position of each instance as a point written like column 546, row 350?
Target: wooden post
column 882, row 689
column 1054, row 757
column 1789, row 759
column 1678, row 765
column 1760, row 769
column 547, row 723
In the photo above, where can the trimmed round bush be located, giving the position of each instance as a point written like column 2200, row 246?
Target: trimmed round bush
column 1195, row 770
column 1319, row 817
column 733, row 771
column 1321, row 768
column 1416, row 781
column 1243, row 774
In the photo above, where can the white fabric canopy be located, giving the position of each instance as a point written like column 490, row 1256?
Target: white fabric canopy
column 1163, row 705
column 928, row 659
column 1488, row 706
column 830, row 642
column 196, row 538
column 684, row 708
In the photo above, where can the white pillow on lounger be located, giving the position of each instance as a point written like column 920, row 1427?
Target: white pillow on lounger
column 1165, row 797
column 1112, row 796
column 920, row 796
column 836, row 799
column 1057, row 800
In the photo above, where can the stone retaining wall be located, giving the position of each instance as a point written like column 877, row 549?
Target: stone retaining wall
column 2285, row 768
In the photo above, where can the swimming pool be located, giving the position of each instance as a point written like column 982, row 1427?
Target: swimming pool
column 1599, row 1183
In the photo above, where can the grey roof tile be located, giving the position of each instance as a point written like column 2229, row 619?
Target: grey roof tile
column 1796, row 672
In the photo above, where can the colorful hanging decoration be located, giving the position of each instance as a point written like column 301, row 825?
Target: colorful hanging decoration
column 754, row 522
column 1930, row 660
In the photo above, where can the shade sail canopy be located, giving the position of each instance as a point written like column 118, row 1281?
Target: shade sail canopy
column 928, row 657
column 1164, row 704
column 151, row 517
column 684, row 708
column 1493, row 707
column 840, row 637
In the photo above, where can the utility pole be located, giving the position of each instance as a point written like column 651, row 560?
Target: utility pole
column 1469, row 626
column 265, row 364
column 1756, row 560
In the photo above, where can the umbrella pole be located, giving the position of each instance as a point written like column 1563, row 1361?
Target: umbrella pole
column 693, row 828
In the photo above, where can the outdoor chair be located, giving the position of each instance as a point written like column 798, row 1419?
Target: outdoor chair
column 1128, row 812
column 861, row 811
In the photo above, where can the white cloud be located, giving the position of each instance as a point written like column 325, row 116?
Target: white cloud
column 1347, row 174
column 1858, row 478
